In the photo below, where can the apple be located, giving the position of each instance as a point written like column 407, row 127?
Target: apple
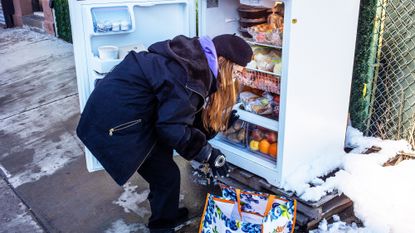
column 257, row 135
column 271, row 137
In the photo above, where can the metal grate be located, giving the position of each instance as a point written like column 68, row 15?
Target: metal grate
column 391, row 112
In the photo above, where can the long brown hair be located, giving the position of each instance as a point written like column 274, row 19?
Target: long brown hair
column 216, row 112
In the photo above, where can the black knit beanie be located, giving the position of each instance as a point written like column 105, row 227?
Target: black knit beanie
column 233, row 48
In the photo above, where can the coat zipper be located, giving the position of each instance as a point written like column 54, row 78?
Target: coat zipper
column 123, row 126
column 204, row 101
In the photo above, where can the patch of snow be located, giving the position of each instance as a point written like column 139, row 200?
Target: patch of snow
column 23, row 221
column 131, row 199
column 4, row 170
column 120, row 226
column 382, row 196
column 47, row 159
column 339, row 226
column 299, row 181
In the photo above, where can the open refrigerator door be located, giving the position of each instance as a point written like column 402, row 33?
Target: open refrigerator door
column 105, row 31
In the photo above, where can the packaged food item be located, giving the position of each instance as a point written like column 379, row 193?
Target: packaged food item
column 276, row 20
column 246, row 97
column 116, row 26
column 266, row 33
column 265, row 59
column 125, row 25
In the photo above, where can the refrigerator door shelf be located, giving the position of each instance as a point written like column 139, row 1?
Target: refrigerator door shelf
column 256, row 119
column 104, row 66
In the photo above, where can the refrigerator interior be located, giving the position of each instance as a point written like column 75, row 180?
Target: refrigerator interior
column 252, row 143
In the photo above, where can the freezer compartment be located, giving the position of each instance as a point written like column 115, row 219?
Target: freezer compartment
column 236, row 134
column 262, row 141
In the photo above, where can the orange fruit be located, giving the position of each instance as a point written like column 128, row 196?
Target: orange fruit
column 273, row 150
column 264, row 146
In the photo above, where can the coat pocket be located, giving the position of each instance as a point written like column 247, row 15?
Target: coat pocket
column 121, row 128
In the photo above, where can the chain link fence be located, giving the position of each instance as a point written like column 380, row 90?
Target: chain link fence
column 383, row 95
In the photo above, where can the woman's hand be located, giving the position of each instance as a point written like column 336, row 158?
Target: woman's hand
column 233, row 117
column 217, row 164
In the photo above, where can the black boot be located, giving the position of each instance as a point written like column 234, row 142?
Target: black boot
column 182, row 216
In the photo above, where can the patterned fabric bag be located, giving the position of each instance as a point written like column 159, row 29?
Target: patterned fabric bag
column 246, row 211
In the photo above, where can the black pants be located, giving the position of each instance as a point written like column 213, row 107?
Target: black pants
column 163, row 175
column 9, row 21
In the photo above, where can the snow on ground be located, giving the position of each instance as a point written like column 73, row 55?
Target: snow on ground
column 130, row 200
column 383, row 197
column 120, row 226
column 22, row 221
column 339, row 226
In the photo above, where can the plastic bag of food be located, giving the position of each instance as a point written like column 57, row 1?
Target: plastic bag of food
column 246, row 97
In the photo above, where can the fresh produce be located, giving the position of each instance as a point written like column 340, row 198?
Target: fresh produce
column 254, row 145
column 263, row 140
column 271, row 136
column 273, row 150
column 257, row 134
column 236, row 133
column 264, row 146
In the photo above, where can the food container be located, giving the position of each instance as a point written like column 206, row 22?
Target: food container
column 236, row 134
column 107, row 26
column 116, row 26
column 125, row 25
column 244, row 32
column 266, row 34
column 262, row 141
column 100, row 27
column 245, row 22
column 108, row 52
column 252, row 12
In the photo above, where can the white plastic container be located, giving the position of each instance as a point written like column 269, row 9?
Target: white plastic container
column 125, row 25
column 107, row 52
column 116, row 26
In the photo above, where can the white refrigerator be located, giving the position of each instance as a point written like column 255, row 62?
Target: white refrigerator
column 311, row 89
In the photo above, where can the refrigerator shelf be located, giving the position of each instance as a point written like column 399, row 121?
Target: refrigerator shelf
column 104, row 66
column 252, row 42
column 111, row 32
column 256, row 119
column 263, row 71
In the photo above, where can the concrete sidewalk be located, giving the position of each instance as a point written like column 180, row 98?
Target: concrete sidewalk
column 45, row 186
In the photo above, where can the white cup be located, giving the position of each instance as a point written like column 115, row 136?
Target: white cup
column 107, row 52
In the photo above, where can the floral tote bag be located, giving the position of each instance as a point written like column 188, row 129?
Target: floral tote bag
column 245, row 211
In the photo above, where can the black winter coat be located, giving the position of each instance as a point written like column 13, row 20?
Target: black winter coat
column 8, row 7
column 149, row 97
